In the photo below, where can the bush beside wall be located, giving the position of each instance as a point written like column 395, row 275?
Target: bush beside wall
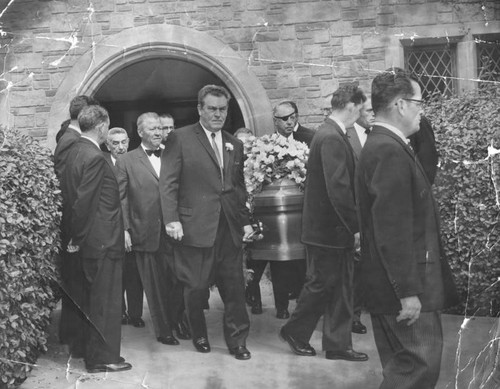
column 467, row 195
column 30, row 204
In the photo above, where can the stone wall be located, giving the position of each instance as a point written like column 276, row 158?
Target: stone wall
column 300, row 50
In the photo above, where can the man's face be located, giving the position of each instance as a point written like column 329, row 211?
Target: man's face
column 413, row 110
column 167, row 126
column 285, row 120
column 117, row 144
column 151, row 133
column 213, row 113
column 366, row 115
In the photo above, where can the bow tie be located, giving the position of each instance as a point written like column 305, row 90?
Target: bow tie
column 156, row 152
column 367, row 131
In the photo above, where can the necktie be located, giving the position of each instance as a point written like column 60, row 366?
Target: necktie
column 156, row 152
column 217, row 154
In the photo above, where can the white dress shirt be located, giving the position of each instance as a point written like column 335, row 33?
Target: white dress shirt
column 155, row 161
column 361, row 132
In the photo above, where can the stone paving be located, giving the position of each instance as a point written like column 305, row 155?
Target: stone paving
column 273, row 366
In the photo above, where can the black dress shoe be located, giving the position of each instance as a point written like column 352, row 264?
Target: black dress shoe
column 125, row 319
column 201, row 344
column 282, row 314
column 256, row 309
column 347, row 355
column 299, row 348
column 249, row 298
column 240, row 352
column 358, row 327
column 137, row 322
column 182, row 331
column 109, row 367
column 169, row 339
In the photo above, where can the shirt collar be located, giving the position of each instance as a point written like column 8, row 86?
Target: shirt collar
column 74, row 128
column 392, row 129
column 296, row 127
column 209, row 133
column 92, row 140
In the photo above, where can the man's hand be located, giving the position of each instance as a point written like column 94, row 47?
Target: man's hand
column 72, row 248
column 247, row 232
column 357, row 242
column 174, row 230
column 128, row 242
column 411, row 309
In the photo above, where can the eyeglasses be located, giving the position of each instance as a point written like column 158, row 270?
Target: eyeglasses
column 293, row 116
column 418, row 102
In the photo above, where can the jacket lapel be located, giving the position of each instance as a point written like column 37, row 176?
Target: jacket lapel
column 202, row 137
column 228, row 155
column 143, row 158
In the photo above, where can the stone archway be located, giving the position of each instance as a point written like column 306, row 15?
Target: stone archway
column 118, row 51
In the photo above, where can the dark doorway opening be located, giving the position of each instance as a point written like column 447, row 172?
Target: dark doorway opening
column 161, row 85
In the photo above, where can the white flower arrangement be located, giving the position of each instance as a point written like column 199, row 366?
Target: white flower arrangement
column 229, row 146
column 273, row 157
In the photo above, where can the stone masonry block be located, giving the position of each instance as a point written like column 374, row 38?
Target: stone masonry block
column 321, row 36
column 352, row 45
column 287, row 51
column 341, row 28
column 310, row 12
column 121, row 21
column 287, row 33
column 416, row 14
column 287, row 79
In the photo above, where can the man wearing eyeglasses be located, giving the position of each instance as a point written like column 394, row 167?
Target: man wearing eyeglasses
column 167, row 125
column 286, row 123
column 407, row 280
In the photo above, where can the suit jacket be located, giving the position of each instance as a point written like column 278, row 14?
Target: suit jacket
column 192, row 190
column 354, row 141
column 140, row 199
column 63, row 147
column 400, row 247
column 91, row 198
column 329, row 215
column 424, row 144
column 304, row 134
column 107, row 157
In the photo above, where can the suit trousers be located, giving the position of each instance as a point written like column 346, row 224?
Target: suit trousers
column 198, row 267
column 153, row 270
column 410, row 355
column 281, row 274
column 358, row 290
column 103, row 281
column 73, row 321
column 328, row 291
column 132, row 287
column 175, row 290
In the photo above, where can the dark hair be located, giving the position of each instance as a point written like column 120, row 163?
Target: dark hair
column 214, row 90
column 78, row 103
column 386, row 86
column 62, row 130
column 91, row 116
column 166, row 115
column 347, row 94
column 243, row 130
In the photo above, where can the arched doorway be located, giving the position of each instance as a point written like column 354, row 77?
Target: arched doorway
column 162, row 85
column 194, row 58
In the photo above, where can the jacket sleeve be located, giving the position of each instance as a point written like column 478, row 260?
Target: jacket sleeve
column 338, row 182
column 171, row 168
column 123, row 181
column 392, row 214
column 87, row 199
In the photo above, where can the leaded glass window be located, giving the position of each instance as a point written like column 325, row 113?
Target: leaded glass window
column 488, row 57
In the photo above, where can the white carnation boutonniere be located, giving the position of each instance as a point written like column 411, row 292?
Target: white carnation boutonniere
column 229, row 146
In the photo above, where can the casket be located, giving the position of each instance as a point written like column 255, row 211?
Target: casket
column 279, row 208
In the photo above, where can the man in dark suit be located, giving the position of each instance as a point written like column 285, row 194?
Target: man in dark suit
column 407, row 280
column 330, row 233
column 117, row 144
column 167, row 126
column 287, row 276
column 138, row 175
column 91, row 198
column 423, row 143
column 72, row 321
column 203, row 202
column 357, row 135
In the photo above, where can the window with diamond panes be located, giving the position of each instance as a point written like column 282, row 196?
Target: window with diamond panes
column 433, row 66
column 488, row 57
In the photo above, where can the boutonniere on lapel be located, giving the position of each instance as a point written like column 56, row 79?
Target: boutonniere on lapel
column 229, row 146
